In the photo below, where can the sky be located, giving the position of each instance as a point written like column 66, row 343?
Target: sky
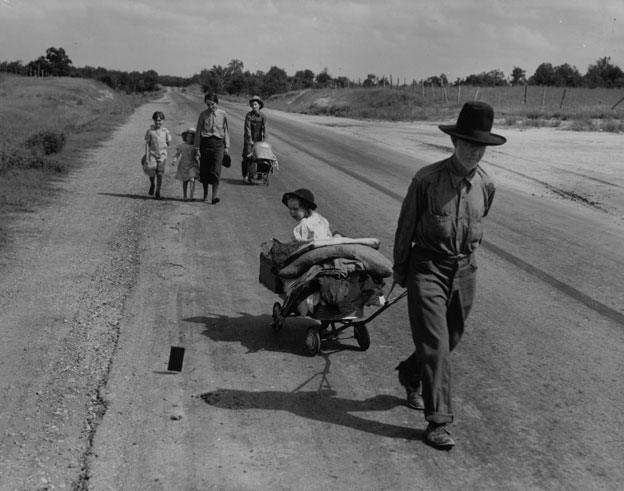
column 405, row 39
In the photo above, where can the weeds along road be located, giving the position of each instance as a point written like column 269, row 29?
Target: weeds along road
column 103, row 284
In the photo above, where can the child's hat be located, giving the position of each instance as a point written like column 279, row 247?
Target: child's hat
column 258, row 100
column 187, row 131
column 302, row 194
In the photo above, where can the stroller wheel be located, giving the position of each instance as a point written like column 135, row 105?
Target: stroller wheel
column 278, row 320
column 361, row 336
column 312, row 341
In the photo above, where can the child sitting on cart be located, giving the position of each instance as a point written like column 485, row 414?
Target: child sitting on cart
column 306, row 286
column 310, row 224
column 325, row 276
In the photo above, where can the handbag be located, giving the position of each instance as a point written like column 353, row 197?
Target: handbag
column 148, row 164
column 227, row 160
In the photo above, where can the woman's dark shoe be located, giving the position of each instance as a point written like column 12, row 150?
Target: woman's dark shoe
column 438, row 436
column 151, row 190
column 215, row 201
column 157, row 195
column 412, row 390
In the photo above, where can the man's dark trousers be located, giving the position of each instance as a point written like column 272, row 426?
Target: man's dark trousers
column 440, row 295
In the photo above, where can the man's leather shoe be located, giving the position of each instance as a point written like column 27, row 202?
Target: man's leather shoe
column 412, row 391
column 438, row 436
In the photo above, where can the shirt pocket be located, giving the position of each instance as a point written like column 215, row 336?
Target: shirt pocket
column 438, row 227
column 475, row 231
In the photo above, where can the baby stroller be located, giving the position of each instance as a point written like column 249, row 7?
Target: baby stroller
column 262, row 163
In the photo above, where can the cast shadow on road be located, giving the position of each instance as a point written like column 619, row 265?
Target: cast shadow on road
column 234, row 182
column 322, row 405
column 142, row 197
column 254, row 332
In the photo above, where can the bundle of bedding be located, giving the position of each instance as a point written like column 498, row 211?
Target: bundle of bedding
column 331, row 278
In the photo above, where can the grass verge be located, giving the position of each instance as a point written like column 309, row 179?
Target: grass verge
column 578, row 109
column 47, row 124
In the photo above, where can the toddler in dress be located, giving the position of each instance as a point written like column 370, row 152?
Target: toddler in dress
column 188, row 167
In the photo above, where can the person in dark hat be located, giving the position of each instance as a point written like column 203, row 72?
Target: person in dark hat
column 212, row 141
column 310, row 224
column 439, row 228
column 254, row 131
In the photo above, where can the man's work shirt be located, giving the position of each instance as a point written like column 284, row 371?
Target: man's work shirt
column 442, row 213
column 254, row 131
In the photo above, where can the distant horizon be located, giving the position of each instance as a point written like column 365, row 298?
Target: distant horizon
column 406, row 39
column 354, row 80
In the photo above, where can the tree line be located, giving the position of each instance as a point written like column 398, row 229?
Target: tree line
column 234, row 79
column 56, row 63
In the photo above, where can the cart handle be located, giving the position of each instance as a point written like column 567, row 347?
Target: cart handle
column 386, row 305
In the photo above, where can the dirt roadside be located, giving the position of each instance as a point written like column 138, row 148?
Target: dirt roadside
column 66, row 271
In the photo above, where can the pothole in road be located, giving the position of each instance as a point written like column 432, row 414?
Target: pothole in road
column 170, row 270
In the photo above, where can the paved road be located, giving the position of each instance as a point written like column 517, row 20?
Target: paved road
column 537, row 378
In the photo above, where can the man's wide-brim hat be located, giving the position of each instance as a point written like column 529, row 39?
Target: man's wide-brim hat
column 474, row 124
column 256, row 98
column 302, row 194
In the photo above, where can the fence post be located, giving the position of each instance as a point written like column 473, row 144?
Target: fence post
column 525, row 93
column 458, row 94
column 476, row 96
column 543, row 97
column 445, row 94
column 563, row 97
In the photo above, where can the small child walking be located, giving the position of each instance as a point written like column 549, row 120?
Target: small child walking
column 157, row 139
column 188, row 166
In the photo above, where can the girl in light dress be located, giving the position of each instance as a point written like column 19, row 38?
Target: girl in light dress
column 188, row 166
column 157, row 139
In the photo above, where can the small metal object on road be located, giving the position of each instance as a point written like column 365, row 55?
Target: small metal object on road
column 176, row 357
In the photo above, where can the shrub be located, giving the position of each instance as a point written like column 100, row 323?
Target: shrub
column 612, row 125
column 46, row 142
column 584, row 124
column 19, row 158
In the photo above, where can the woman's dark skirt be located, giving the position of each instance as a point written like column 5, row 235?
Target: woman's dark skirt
column 211, row 157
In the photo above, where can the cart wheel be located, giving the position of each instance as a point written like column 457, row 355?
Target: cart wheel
column 362, row 336
column 312, row 341
column 278, row 320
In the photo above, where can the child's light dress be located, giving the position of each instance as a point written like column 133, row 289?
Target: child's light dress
column 188, row 168
column 313, row 227
column 157, row 142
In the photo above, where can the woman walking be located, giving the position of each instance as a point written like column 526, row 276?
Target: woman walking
column 212, row 140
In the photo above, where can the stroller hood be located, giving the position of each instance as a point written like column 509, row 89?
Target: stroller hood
column 263, row 151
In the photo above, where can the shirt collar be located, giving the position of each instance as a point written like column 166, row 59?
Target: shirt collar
column 456, row 179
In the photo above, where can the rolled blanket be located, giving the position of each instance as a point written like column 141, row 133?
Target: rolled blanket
column 374, row 262
column 316, row 244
